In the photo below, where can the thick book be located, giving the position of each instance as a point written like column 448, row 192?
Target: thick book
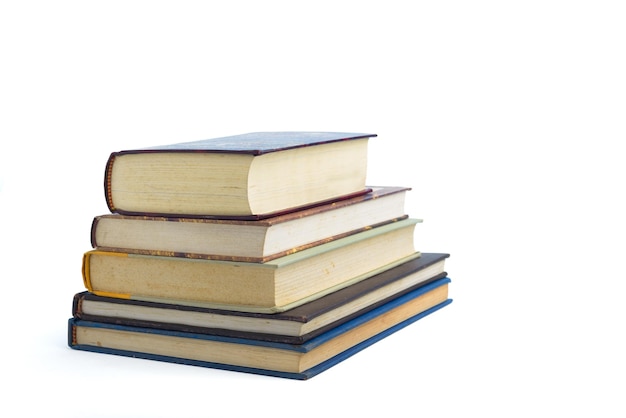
column 252, row 175
column 248, row 240
column 274, row 286
column 295, row 326
column 295, row 361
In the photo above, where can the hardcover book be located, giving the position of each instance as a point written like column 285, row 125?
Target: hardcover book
column 248, row 240
column 274, row 286
column 295, row 326
column 295, row 361
column 251, row 175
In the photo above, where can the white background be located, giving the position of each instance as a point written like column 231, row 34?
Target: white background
column 506, row 119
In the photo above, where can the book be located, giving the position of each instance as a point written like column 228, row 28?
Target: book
column 251, row 175
column 248, row 240
column 295, row 361
column 274, row 286
column 295, row 326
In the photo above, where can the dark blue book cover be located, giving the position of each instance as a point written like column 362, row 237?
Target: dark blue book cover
column 256, row 143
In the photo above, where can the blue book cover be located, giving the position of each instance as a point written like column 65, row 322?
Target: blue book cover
column 256, row 143
column 294, row 361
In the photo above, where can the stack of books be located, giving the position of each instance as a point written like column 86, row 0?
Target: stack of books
column 264, row 253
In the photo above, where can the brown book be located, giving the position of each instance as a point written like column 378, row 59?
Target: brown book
column 251, row 175
column 248, row 240
column 276, row 285
column 295, row 326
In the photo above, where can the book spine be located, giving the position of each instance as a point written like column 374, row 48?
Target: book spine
column 71, row 333
column 107, row 183
column 87, row 278
column 94, row 227
column 77, row 305
column 85, row 272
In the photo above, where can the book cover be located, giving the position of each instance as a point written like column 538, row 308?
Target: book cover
column 254, row 143
column 301, row 361
column 258, row 240
column 294, row 326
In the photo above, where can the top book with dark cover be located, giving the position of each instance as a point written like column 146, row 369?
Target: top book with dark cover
column 248, row 176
